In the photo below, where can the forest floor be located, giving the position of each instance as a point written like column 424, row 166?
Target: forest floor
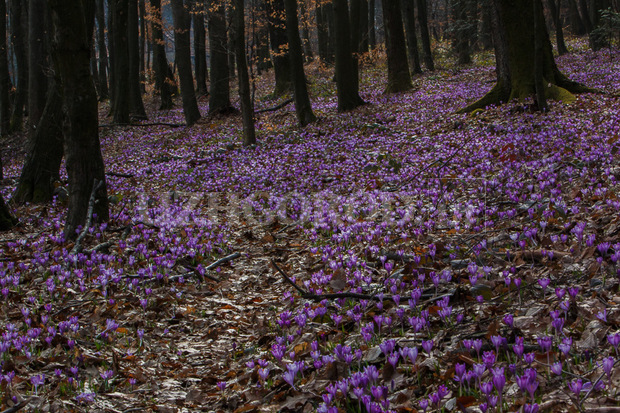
column 439, row 260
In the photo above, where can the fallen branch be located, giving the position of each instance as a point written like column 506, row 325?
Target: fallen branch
column 91, row 206
column 171, row 125
column 274, row 108
column 119, row 175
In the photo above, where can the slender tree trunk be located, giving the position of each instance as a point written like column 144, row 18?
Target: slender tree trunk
column 302, row 100
column 279, row 46
column 346, row 67
column 322, row 30
column 305, row 31
column 84, row 161
column 410, row 31
column 515, row 37
column 540, row 32
column 219, row 92
column 111, row 61
column 7, row 221
column 372, row 31
column 399, row 78
column 424, row 35
column 102, row 81
column 231, row 41
column 486, row 25
column 19, row 24
column 37, row 62
column 247, row 109
column 121, row 95
column 143, row 37
column 180, row 14
column 44, row 153
column 355, row 33
column 461, row 30
column 598, row 37
column 160, row 63
column 5, row 81
column 576, row 23
column 585, row 15
column 136, row 105
column 363, row 22
column 554, row 9
column 200, row 52
column 331, row 25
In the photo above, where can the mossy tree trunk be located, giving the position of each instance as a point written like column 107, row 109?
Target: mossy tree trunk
column 347, row 78
column 399, row 78
column 515, row 52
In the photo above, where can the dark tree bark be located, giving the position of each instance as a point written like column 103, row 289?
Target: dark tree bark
column 346, row 66
column 43, row 153
column 278, row 40
column 412, row 38
column 5, row 81
column 160, row 63
column 597, row 36
column 111, row 60
column 7, row 221
column 121, row 96
column 180, row 14
column 372, row 31
column 102, row 80
column 585, row 15
column 322, row 31
column 554, row 9
column 462, row 29
column 399, row 78
column 356, row 35
column 515, row 50
column 247, row 109
column 424, row 35
column 231, row 41
column 305, row 31
column 136, row 105
column 200, row 51
column 71, row 54
column 302, row 100
column 143, row 37
column 219, row 92
column 486, row 25
column 540, row 31
column 363, row 22
column 331, row 26
column 18, row 26
column 576, row 23
column 37, row 62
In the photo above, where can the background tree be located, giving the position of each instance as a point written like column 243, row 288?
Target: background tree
column 18, row 26
column 180, row 14
column 347, row 76
column 136, row 105
column 219, row 92
column 71, row 54
column 102, row 80
column 424, row 35
column 322, row 31
column 120, row 56
column 302, row 100
column 37, row 62
column 410, row 32
column 515, row 50
column 278, row 40
column 200, row 51
column 247, row 109
column 399, row 78
column 554, row 10
column 5, row 81
column 163, row 82
column 372, row 31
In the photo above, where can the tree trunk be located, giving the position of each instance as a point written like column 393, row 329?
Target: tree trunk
column 136, row 105
column 399, row 78
column 353, row 15
column 302, row 100
column 37, row 62
column 599, row 37
column 279, row 46
column 18, row 26
column 322, row 31
column 160, row 63
column 412, row 39
column 554, row 9
column 121, row 95
column 247, row 109
column 143, row 37
column 424, row 35
column 5, row 83
column 7, row 221
column 180, row 14
column 515, row 50
column 372, row 33
column 102, row 81
column 486, row 25
column 71, row 53
column 305, row 31
column 461, row 29
column 231, row 41
column 111, row 60
column 200, row 51
column 576, row 23
column 540, row 31
column 346, row 66
column 585, row 15
column 219, row 92
column 363, row 22
column 331, row 35
column 43, row 154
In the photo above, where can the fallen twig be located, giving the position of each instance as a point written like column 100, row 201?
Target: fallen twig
column 89, row 217
column 222, row 261
column 171, row 125
column 119, row 175
column 276, row 107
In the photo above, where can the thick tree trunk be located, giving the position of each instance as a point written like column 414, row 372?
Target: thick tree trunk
column 44, row 153
column 346, row 66
column 410, row 31
column 302, row 100
column 71, row 53
column 200, row 51
column 372, row 31
column 18, row 26
column 180, row 14
column 424, row 35
column 554, row 9
column 515, row 52
column 399, row 78
column 247, row 109
column 136, row 105
column 219, row 92
column 121, row 95
column 160, row 63
column 278, row 40
column 102, row 81
column 5, row 83
column 37, row 62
